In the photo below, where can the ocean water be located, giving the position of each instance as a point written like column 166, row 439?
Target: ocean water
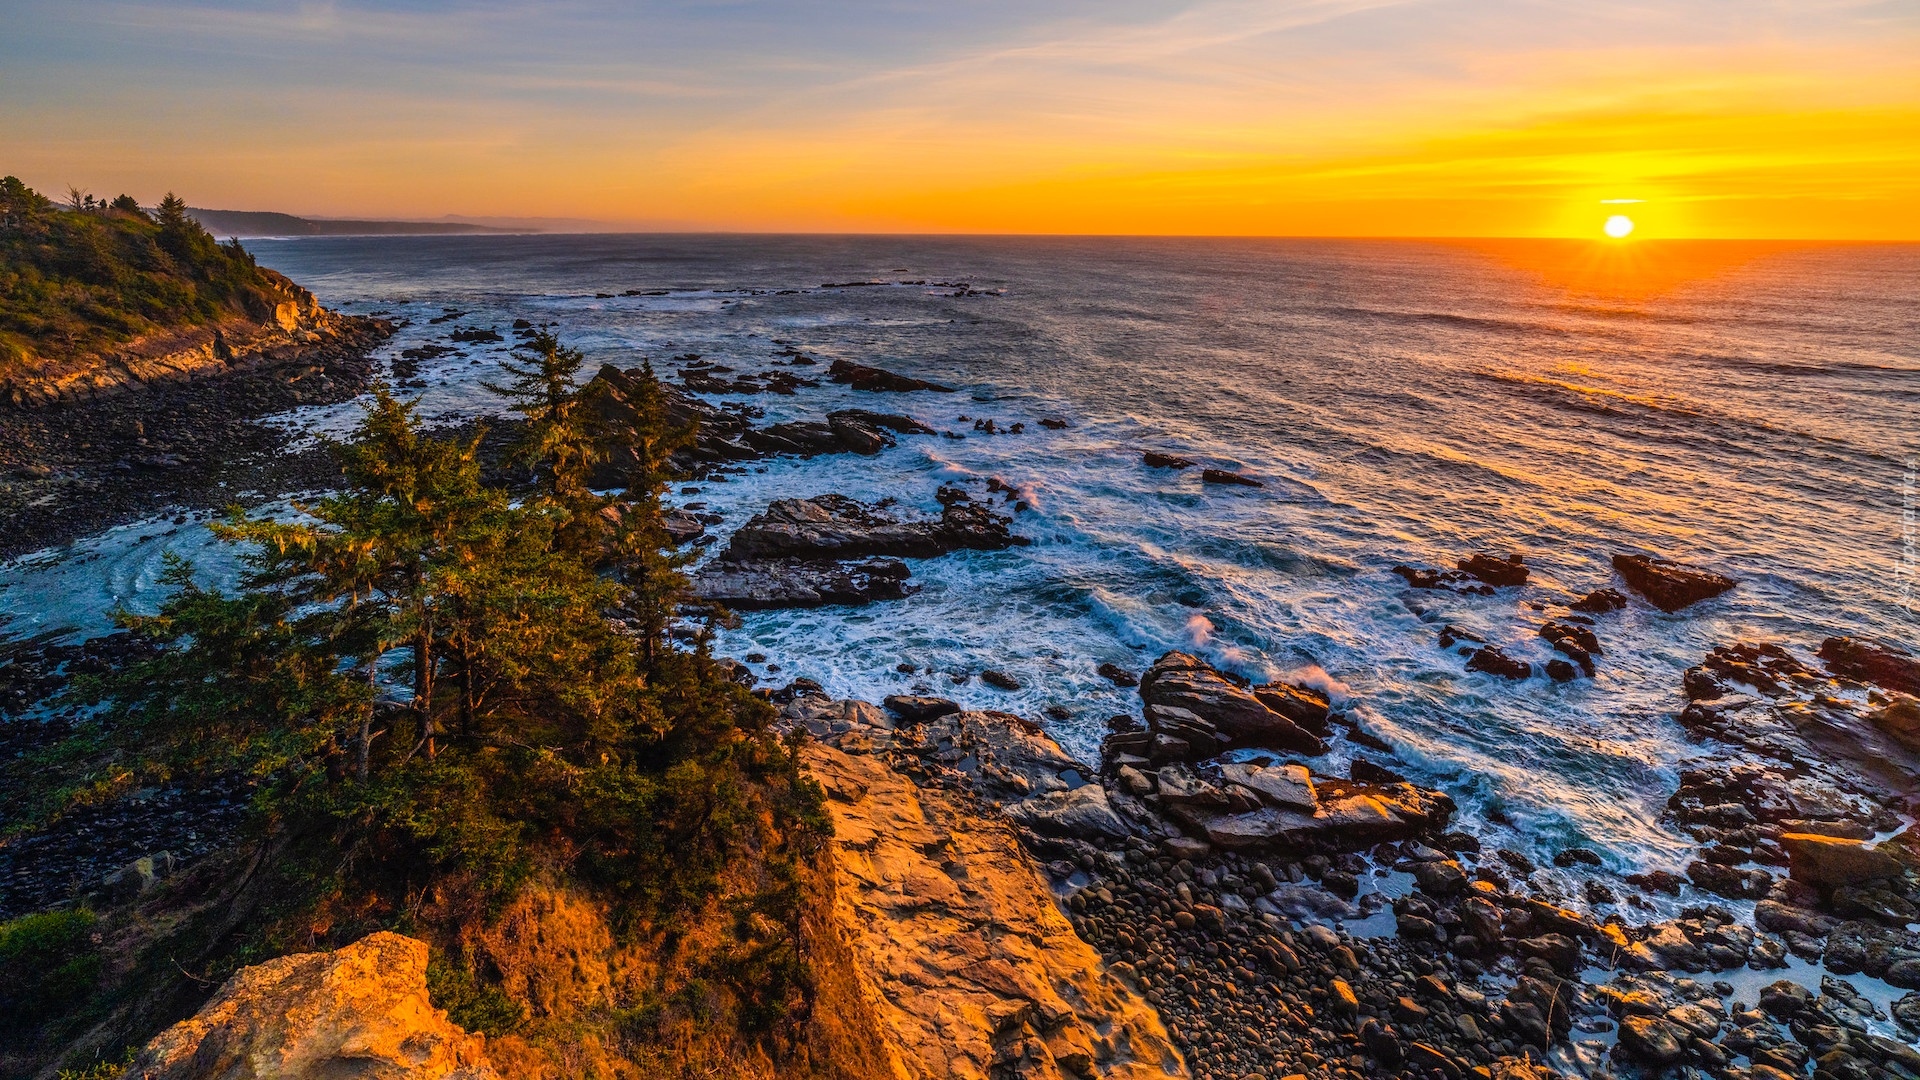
column 1754, row 409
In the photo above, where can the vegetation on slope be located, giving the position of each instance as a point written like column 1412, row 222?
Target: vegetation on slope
column 78, row 278
column 472, row 725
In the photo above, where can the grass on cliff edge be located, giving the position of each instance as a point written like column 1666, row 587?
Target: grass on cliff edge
column 471, row 724
column 75, row 280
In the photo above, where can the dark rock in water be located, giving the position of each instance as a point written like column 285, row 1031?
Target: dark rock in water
column 1561, row 671
column 915, row 710
column 1187, row 699
column 1577, row 856
column 1118, row 675
column 1495, row 570
column 799, row 583
column 1052, row 423
column 1491, row 660
column 1222, row 476
column 1368, row 772
column 1451, row 633
column 895, row 422
column 1669, row 585
column 1600, row 601
column 999, row 680
column 475, row 337
column 877, row 380
column 1157, row 460
column 1577, row 642
column 836, row 527
column 1449, row 580
column 1885, row 666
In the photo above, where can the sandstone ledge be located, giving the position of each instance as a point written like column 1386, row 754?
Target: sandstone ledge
column 358, row 1013
column 963, row 953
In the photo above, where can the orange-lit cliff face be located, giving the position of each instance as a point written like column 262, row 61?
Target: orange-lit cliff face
column 1249, row 117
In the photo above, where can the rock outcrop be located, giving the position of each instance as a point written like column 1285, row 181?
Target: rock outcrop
column 965, row 956
column 834, row 550
column 1188, row 701
column 358, row 1013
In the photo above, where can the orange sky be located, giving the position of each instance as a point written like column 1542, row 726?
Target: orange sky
column 1289, row 117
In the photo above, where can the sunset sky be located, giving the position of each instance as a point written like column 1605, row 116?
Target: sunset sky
column 1723, row 118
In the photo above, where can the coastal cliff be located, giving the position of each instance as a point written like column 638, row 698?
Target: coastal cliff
column 294, row 326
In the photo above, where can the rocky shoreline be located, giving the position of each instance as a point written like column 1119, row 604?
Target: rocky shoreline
column 1282, row 921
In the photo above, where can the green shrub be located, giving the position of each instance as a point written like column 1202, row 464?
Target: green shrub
column 49, row 962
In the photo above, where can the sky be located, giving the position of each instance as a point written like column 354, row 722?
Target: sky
column 1696, row 118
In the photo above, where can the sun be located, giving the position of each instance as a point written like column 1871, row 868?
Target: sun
column 1618, row 226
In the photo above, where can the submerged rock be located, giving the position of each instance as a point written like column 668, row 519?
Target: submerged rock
column 1156, row 460
column 1669, row 585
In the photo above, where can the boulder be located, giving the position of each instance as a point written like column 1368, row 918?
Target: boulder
column 1156, row 460
column 1669, row 585
column 358, row 1013
column 1118, row 675
column 1885, row 666
column 1651, row 1040
column 915, row 710
column 1830, row 862
column 1082, row 814
column 1183, row 682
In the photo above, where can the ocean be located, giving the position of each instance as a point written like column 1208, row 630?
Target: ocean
column 1754, row 409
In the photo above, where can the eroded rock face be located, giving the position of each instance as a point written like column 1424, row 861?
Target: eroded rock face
column 964, row 955
column 1668, row 585
column 358, row 1013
